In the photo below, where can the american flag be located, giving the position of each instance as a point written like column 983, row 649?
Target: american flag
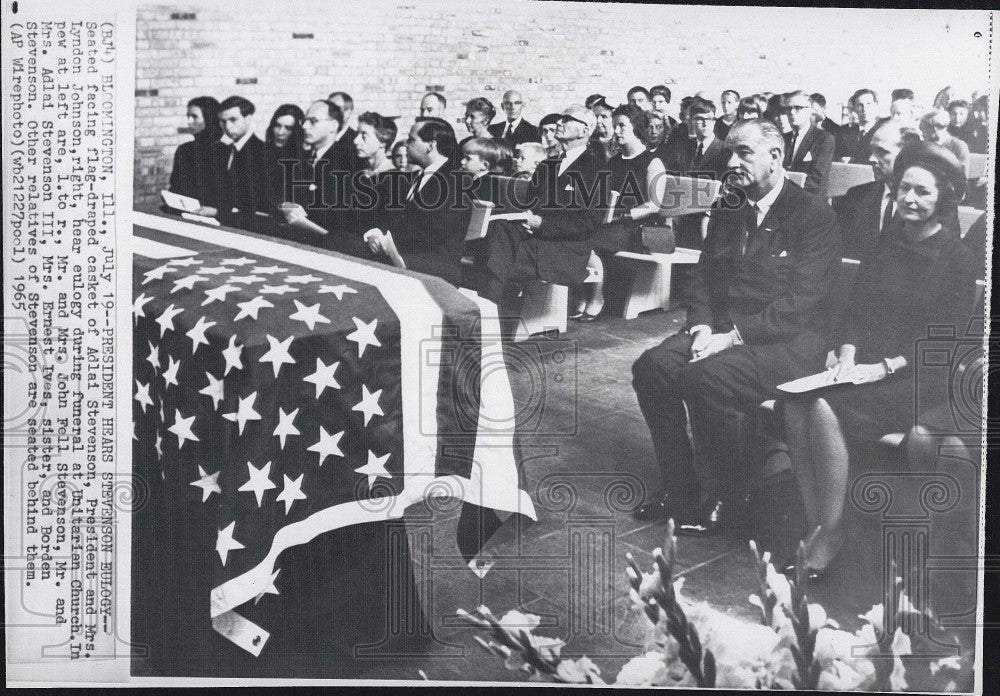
column 277, row 401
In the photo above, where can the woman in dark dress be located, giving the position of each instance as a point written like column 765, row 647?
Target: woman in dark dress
column 918, row 275
column 192, row 173
column 377, row 181
column 284, row 141
column 638, row 178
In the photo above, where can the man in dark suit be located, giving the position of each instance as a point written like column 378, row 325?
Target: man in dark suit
column 568, row 204
column 808, row 149
column 698, row 155
column 344, row 139
column 514, row 130
column 431, row 229
column 855, row 138
column 242, row 169
column 317, row 209
column 866, row 209
column 818, row 103
column 757, row 309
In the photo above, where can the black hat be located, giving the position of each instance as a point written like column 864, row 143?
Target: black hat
column 935, row 159
column 549, row 120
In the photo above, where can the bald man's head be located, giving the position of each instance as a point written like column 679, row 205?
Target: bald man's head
column 512, row 104
column 885, row 145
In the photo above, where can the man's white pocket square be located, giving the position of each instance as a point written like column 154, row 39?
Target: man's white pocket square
column 808, row 157
column 783, row 254
column 569, row 187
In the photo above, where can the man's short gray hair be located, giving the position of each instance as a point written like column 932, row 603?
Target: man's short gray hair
column 768, row 133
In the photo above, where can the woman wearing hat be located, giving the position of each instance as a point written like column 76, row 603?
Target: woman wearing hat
column 918, row 274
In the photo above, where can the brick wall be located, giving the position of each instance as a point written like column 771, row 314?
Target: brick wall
column 387, row 55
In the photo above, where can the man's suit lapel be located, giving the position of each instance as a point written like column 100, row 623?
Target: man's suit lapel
column 770, row 225
column 807, row 143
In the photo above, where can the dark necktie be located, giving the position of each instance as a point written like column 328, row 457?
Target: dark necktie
column 509, row 130
column 699, row 152
column 887, row 216
column 749, row 225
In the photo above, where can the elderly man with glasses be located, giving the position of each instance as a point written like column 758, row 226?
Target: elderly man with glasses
column 567, row 201
column 514, row 130
column 808, row 148
column 934, row 127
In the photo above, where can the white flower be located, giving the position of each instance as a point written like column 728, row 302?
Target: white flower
column 817, row 617
column 951, row 662
column 514, row 621
column 779, row 585
column 644, row 670
column 875, row 616
column 579, row 671
column 840, row 676
column 900, row 646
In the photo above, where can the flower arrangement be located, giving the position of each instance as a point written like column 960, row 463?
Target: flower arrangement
column 795, row 645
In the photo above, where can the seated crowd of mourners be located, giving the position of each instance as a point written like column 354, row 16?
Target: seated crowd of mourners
column 762, row 302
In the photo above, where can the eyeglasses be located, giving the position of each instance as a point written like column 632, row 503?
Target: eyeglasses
column 568, row 119
column 701, row 119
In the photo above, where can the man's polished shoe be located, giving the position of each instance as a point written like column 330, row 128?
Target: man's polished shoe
column 661, row 508
column 814, row 574
column 706, row 522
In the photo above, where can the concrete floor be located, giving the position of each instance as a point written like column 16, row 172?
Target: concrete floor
column 586, row 461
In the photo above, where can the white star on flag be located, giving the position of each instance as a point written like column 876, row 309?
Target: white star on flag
column 188, row 261
column 269, row 270
column 208, row 483
column 276, row 289
column 250, row 308
column 327, row 445
column 278, row 354
column 364, row 336
column 166, row 320
column 310, row 316
column 375, row 468
column 259, row 481
column 323, row 377
column 242, row 261
column 286, row 425
column 157, row 273
column 302, row 279
column 270, row 589
column 140, row 302
column 337, row 290
column 291, row 492
column 246, row 279
column 142, row 395
column 214, row 270
column 187, row 282
column 369, row 404
column 154, row 356
column 159, row 444
column 225, row 542
column 170, row 374
column 233, row 354
column 197, row 334
column 182, row 429
column 218, row 293
column 215, row 390
column 244, row 412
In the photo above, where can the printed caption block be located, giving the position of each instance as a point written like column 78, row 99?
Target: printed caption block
column 61, row 479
